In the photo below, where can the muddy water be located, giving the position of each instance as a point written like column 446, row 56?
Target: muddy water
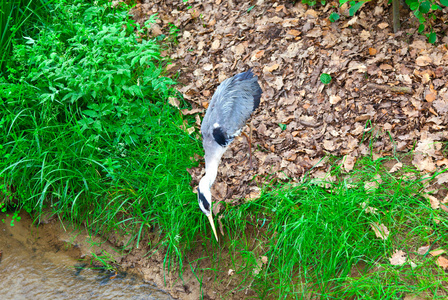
column 35, row 264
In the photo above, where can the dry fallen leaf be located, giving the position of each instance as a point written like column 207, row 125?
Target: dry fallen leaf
column 423, row 163
column 334, row 99
column 442, row 262
column 294, row 32
column 383, row 25
column 442, row 178
column 380, row 230
column 423, row 250
column 396, row 167
column 437, row 252
column 398, row 258
column 216, row 44
column 231, row 272
column 257, row 55
column 423, row 60
column 435, row 203
column 173, row 101
column 373, row 185
column 349, row 162
column 270, row 68
column 372, row 51
column 431, row 96
column 369, row 209
column 264, row 259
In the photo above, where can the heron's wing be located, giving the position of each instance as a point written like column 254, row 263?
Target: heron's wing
column 231, row 105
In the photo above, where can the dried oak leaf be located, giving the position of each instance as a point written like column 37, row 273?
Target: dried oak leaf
column 380, row 230
column 348, row 162
column 437, row 252
column 442, row 262
column 270, row 68
column 334, row 99
column 423, row 60
column 441, row 106
column 435, row 203
column 423, row 250
column 398, row 258
column 423, row 163
column 383, row 25
column 442, row 178
column 373, row 185
column 396, row 167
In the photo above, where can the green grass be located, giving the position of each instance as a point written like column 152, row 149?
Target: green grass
column 18, row 18
column 319, row 243
column 87, row 131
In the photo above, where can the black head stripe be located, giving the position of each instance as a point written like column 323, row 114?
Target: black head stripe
column 203, row 200
column 220, row 137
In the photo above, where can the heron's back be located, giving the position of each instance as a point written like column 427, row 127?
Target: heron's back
column 231, row 105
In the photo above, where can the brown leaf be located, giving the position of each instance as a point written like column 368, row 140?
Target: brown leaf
column 239, row 49
column 441, row 106
column 373, row 185
column 380, row 230
column 257, row 55
column 348, row 162
column 437, row 252
column 173, row 101
column 334, row 99
column 423, row 60
column 431, row 96
column 372, row 51
column 294, row 32
column 383, row 25
column 398, row 258
column 423, row 250
column 435, row 203
column 271, row 68
column 442, row 262
column 423, row 163
column 396, row 167
column 215, row 45
column 187, row 112
column 442, row 178
column 369, row 209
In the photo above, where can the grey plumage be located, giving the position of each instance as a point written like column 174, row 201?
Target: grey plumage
column 230, row 107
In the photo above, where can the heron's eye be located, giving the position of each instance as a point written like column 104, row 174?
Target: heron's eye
column 203, row 200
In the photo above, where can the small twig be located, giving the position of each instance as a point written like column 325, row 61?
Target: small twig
column 387, row 88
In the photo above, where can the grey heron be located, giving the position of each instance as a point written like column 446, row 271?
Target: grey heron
column 231, row 106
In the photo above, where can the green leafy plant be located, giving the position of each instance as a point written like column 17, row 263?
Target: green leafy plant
column 424, row 10
column 282, row 126
column 325, row 78
column 88, row 129
column 334, row 17
column 18, row 17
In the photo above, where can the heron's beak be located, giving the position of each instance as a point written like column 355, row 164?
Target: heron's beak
column 210, row 218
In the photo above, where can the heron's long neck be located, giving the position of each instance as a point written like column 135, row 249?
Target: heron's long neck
column 211, row 170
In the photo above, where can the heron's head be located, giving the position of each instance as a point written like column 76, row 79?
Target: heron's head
column 205, row 202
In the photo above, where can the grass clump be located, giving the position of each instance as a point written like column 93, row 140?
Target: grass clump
column 315, row 240
column 86, row 128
